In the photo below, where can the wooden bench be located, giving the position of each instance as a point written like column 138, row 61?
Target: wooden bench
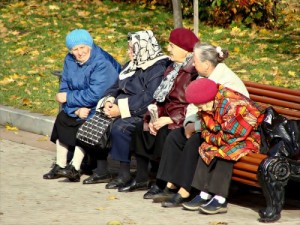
column 271, row 174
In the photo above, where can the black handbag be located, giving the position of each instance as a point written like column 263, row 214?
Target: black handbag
column 280, row 136
column 95, row 132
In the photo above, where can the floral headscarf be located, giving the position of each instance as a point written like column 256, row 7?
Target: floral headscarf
column 146, row 51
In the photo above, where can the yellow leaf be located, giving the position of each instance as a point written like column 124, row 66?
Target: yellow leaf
column 6, row 80
column 9, row 127
column 101, row 208
column 54, row 7
column 114, row 222
column 26, row 102
column 83, row 13
column 218, row 31
column 236, row 49
column 79, row 25
column 35, row 53
column 112, row 197
column 44, row 138
column 235, row 31
column 292, row 73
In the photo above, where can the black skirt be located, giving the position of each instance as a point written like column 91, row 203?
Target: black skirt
column 65, row 129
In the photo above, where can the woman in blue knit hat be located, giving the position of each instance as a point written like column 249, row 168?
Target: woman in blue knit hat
column 88, row 72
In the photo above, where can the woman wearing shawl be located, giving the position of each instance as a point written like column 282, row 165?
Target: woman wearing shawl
column 127, row 101
column 149, row 137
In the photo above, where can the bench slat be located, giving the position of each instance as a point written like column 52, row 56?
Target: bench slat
column 276, row 95
column 272, row 88
column 275, row 102
column 245, row 181
column 246, row 166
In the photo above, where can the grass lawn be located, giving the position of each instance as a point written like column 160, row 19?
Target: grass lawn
column 32, row 34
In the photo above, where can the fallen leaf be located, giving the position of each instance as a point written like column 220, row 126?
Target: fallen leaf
column 114, row 222
column 112, row 197
column 292, row 73
column 9, row 127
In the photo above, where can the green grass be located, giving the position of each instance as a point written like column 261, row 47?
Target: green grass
column 32, row 35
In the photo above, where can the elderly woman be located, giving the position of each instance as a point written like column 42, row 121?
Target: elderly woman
column 229, row 126
column 180, row 155
column 149, row 138
column 88, row 72
column 127, row 102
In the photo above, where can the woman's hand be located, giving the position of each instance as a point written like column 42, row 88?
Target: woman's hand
column 152, row 130
column 83, row 113
column 189, row 130
column 111, row 110
column 162, row 121
column 61, row 97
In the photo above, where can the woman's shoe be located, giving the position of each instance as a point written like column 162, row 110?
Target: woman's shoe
column 95, row 178
column 54, row 173
column 134, row 186
column 152, row 192
column 116, row 183
column 175, row 201
column 71, row 173
column 165, row 195
column 213, row 207
column 194, row 204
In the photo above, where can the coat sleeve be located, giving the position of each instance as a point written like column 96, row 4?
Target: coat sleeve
column 136, row 105
column 101, row 78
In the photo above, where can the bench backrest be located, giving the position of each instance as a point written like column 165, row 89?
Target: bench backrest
column 284, row 100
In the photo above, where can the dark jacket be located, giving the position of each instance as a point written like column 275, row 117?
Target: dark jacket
column 139, row 88
column 175, row 103
column 86, row 83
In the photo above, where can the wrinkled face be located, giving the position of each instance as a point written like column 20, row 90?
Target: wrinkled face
column 81, row 52
column 130, row 51
column 177, row 54
column 201, row 67
column 207, row 107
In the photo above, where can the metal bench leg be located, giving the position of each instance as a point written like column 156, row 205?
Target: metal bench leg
column 273, row 175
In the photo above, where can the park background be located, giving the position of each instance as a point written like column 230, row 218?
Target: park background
column 32, row 35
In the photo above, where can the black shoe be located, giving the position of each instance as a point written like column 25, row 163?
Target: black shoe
column 116, row 183
column 54, row 173
column 175, row 201
column 132, row 185
column 195, row 203
column 213, row 207
column 152, row 192
column 165, row 195
column 71, row 173
column 95, row 178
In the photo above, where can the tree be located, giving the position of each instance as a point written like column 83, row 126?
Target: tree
column 177, row 13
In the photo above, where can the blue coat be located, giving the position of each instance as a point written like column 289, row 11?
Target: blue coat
column 86, row 83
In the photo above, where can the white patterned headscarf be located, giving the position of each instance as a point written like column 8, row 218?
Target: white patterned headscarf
column 146, row 52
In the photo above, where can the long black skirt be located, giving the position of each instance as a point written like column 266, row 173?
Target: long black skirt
column 65, row 129
column 147, row 145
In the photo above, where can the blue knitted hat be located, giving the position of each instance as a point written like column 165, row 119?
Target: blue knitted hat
column 79, row 37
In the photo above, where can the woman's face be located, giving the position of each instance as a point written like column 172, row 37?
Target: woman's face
column 207, row 107
column 201, row 67
column 81, row 52
column 130, row 51
column 177, row 54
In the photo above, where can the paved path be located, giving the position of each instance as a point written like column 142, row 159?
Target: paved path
column 27, row 199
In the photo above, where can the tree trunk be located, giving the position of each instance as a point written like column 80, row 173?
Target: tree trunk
column 177, row 13
column 196, row 17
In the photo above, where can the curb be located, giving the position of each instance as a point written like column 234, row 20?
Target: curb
column 26, row 121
